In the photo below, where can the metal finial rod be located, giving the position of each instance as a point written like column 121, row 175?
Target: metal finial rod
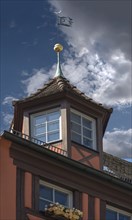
column 58, row 48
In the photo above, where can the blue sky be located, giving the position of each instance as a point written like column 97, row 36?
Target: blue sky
column 96, row 57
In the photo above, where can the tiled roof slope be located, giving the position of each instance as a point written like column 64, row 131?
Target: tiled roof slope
column 58, row 85
column 117, row 167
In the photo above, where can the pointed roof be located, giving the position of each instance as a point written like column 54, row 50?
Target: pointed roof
column 59, row 85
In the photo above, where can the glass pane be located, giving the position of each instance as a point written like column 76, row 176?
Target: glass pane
column 53, row 126
column 87, row 123
column 75, row 118
column 61, row 198
column 87, row 142
column 75, row 127
column 39, row 119
column 41, row 138
column 76, row 137
column 46, row 192
column 43, row 204
column 111, row 215
column 87, row 133
column 53, row 136
column 123, row 217
column 53, row 116
column 39, row 130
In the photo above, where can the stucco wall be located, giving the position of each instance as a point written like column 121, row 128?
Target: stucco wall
column 7, row 182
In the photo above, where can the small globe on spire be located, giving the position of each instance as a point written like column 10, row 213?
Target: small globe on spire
column 58, row 48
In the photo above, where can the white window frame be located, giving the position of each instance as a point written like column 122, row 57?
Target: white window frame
column 55, row 187
column 93, row 128
column 32, row 126
column 119, row 211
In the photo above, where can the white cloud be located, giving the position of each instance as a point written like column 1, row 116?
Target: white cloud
column 97, row 79
column 7, row 112
column 8, row 100
column 91, row 75
column 98, row 58
column 24, row 73
column 37, row 79
column 119, row 143
column 7, row 119
column 99, row 43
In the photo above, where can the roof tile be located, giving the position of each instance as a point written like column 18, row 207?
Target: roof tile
column 58, row 85
column 117, row 167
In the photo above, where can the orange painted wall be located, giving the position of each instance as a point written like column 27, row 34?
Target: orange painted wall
column 7, row 182
column 28, row 190
column 85, row 206
column 97, row 209
column 85, row 209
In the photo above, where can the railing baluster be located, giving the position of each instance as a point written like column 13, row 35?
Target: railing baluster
column 39, row 142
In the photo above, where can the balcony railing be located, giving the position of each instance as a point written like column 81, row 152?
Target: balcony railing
column 39, row 142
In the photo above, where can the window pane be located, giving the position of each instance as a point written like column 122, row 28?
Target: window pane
column 61, row 198
column 53, row 116
column 75, row 118
column 53, row 136
column 75, row 127
column 87, row 142
column 123, row 217
column 39, row 119
column 41, row 138
column 53, row 126
column 87, row 133
column 111, row 215
column 87, row 123
column 40, row 130
column 76, row 137
column 46, row 192
column 42, row 204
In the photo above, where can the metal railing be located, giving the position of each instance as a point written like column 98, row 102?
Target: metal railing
column 38, row 142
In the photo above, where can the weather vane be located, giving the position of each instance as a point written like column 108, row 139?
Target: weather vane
column 66, row 21
column 63, row 20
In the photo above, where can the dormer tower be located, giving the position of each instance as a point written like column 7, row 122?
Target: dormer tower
column 63, row 117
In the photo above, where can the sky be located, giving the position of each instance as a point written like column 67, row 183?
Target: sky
column 96, row 57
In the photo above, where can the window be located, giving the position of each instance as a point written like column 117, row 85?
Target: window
column 49, row 193
column 83, row 129
column 117, row 214
column 45, row 126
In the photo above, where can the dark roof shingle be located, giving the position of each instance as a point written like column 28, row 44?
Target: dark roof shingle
column 117, row 167
column 58, row 85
